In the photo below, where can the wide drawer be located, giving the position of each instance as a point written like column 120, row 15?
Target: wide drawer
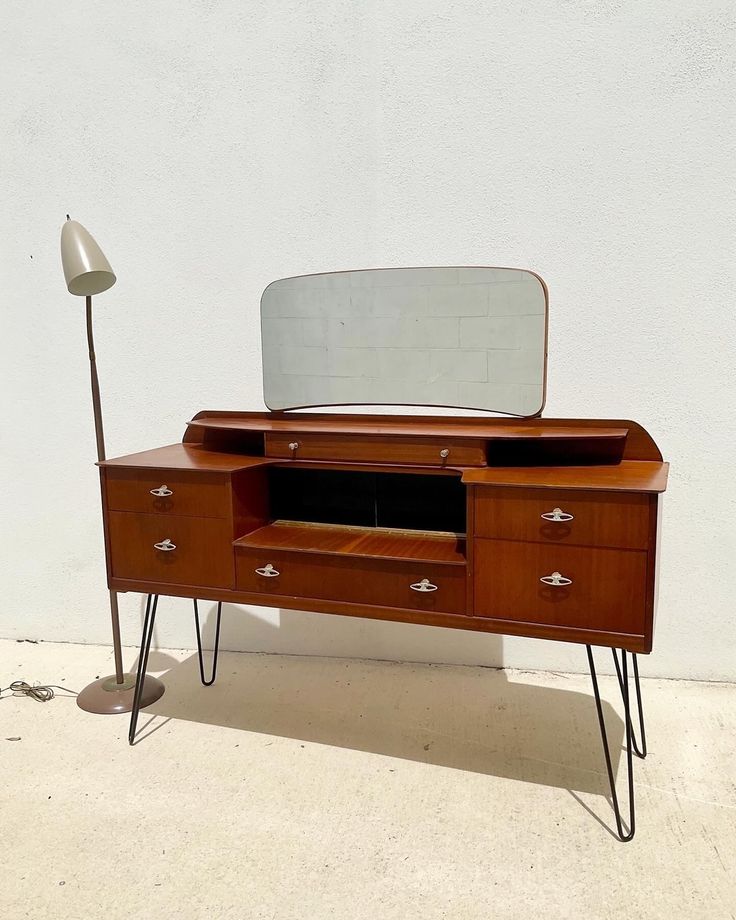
column 563, row 516
column 601, row 589
column 376, row 449
column 140, row 549
column 378, row 582
column 168, row 492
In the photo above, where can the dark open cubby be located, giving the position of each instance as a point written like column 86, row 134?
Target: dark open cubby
column 407, row 501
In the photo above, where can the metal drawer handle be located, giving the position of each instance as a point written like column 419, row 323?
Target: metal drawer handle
column 268, row 571
column 556, row 580
column 424, row 585
column 445, row 453
column 293, row 446
column 162, row 491
column 165, row 546
column 557, row 514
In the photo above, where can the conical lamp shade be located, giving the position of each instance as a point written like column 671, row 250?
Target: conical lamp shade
column 86, row 269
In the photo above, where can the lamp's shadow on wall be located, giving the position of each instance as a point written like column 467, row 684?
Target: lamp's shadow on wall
column 472, row 719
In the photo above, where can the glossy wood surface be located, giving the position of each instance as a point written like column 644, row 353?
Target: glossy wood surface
column 426, row 617
column 203, row 554
column 376, row 449
column 186, row 457
column 221, row 519
column 639, row 443
column 598, row 518
column 627, row 476
column 353, row 579
column 198, row 493
column 608, row 590
column 371, row 543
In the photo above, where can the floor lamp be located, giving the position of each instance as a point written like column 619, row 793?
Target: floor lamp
column 87, row 272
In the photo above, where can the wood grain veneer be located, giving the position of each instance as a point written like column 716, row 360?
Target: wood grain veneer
column 221, row 521
column 368, row 542
column 608, row 590
column 203, row 554
column 185, row 457
column 632, row 643
column 627, row 476
column 376, row 449
column 353, row 579
column 639, row 443
column 615, row 519
column 202, row 494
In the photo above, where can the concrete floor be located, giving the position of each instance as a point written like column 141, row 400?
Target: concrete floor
column 315, row 788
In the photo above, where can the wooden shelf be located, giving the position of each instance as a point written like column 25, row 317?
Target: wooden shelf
column 417, row 426
column 367, row 542
column 557, row 433
column 627, row 476
column 186, row 457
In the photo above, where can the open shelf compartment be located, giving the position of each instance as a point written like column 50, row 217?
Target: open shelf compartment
column 367, row 542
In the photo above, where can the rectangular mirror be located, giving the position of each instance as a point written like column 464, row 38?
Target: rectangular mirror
column 473, row 338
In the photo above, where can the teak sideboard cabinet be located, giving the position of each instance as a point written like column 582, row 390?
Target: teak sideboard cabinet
column 433, row 520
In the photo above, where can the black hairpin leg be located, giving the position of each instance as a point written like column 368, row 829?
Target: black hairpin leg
column 624, row 834
column 640, row 752
column 215, row 650
column 148, row 621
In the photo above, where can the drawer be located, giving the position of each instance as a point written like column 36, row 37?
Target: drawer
column 198, row 494
column 203, row 554
column 378, row 582
column 606, row 590
column 563, row 516
column 364, row 449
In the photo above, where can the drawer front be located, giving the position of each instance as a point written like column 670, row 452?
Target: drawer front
column 203, row 553
column 563, row 516
column 198, row 494
column 380, row 583
column 603, row 589
column 362, row 449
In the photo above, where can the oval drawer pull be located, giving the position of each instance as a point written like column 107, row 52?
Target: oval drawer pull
column 445, row 453
column 557, row 514
column 556, row 580
column 423, row 586
column 165, row 546
column 268, row 571
column 293, row 446
column 162, row 491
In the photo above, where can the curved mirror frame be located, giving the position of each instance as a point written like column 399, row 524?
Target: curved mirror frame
column 445, row 337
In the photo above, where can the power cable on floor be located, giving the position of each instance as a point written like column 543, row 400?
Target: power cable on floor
column 40, row 692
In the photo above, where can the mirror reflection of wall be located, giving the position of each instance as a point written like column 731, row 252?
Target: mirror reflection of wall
column 462, row 337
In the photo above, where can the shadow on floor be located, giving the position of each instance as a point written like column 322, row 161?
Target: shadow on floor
column 471, row 719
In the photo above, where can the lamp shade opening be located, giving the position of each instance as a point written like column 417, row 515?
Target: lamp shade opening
column 86, row 269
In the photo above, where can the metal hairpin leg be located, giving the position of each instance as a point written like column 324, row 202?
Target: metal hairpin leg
column 215, row 650
column 640, row 752
column 623, row 677
column 148, row 621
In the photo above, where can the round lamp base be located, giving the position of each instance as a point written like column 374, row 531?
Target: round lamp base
column 107, row 697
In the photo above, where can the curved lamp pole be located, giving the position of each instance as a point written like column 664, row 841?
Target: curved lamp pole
column 87, row 272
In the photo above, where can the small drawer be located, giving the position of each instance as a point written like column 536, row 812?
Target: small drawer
column 168, row 492
column 618, row 519
column 175, row 550
column 380, row 583
column 365, row 449
column 576, row 587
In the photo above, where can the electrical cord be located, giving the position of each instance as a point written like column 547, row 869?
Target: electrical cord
column 40, row 692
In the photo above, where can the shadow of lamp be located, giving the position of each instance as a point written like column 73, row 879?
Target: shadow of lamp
column 87, row 272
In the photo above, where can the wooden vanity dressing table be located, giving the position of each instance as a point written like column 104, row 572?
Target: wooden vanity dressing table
column 545, row 528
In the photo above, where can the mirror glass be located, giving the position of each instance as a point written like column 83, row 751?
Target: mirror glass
column 462, row 337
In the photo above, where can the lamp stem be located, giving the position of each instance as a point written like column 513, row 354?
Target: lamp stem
column 96, row 407
column 100, row 437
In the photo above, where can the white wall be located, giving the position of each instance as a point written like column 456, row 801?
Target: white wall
column 213, row 147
